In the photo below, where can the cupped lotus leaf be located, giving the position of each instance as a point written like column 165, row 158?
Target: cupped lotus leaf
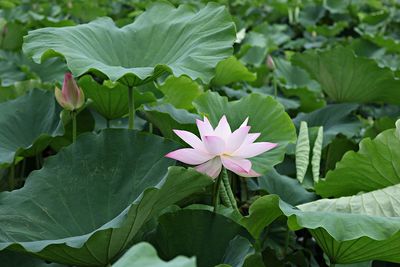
column 27, row 125
column 349, row 229
column 88, row 201
column 144, row 255
column 374, row 166
column 201, row 233
column 345, row 77
column 162, row 39
column 266, row 116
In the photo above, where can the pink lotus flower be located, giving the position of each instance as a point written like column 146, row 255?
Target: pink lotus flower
column 221, row 147
column 71, row 97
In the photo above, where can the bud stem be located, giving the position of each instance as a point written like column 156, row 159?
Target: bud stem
column 275, row 84
column 73, row 115
column 131, row 100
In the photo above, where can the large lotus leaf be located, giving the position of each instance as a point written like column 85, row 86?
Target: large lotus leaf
column 111, row 99
column 88, row 201
column 201, row 233
column 27, row 125
column 345, row 77
column 163, row 38
column 335, row 118
column 144, row 255
column 374, row 166
column 266, row 116
column 348, row 230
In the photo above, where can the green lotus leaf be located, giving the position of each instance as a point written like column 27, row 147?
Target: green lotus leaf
column 335, row 118
column 374, row 166
column 162, row 39
column 185, row 232
column 287, row 188
column 144, row 255
column 180, row 91
column 88, row 201
column 348, row 229
column 111, row 100
column 345, row 77
column 266, row 116
column 167, row 118
column 232, row 70
column 27, row 125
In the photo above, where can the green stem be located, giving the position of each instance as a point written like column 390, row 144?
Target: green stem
column 216, row 192
column 108, row 123
column 224, row 196
column 131, row 108
column 11, row 176
column 275, row 84
column 228, row 188
column 73, row 115
column 150, row 127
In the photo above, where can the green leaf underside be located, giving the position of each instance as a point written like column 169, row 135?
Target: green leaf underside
column 87, row 202
column 347, row 78
column 316, row 154
column 163, row 38
column 302, row 152
column 27, row 125
column 266, row 116
column 346, row 237
column 185, row 232
column 374, row 166
column 144, row 255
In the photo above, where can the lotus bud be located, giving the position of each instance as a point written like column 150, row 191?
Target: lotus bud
column 71, row 97
column 270, row 63
column 398, row 128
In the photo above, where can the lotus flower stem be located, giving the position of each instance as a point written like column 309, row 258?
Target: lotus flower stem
column 131, row 109
column 108, row 123
column 73, row 115
column 228, row 189
column 275, row 84
column 224, row 194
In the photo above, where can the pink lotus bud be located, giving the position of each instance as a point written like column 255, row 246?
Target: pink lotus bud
column 71, row 97
column 270, row 63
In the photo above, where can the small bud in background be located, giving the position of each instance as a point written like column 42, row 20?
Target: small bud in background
column 398, row 128
column 270, row 63
column 71, row 97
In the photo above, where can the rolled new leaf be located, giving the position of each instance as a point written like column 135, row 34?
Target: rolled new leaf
column 302, row 152
column 316, row 154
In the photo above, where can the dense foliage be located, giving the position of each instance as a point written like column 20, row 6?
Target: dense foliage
column 302, row 97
